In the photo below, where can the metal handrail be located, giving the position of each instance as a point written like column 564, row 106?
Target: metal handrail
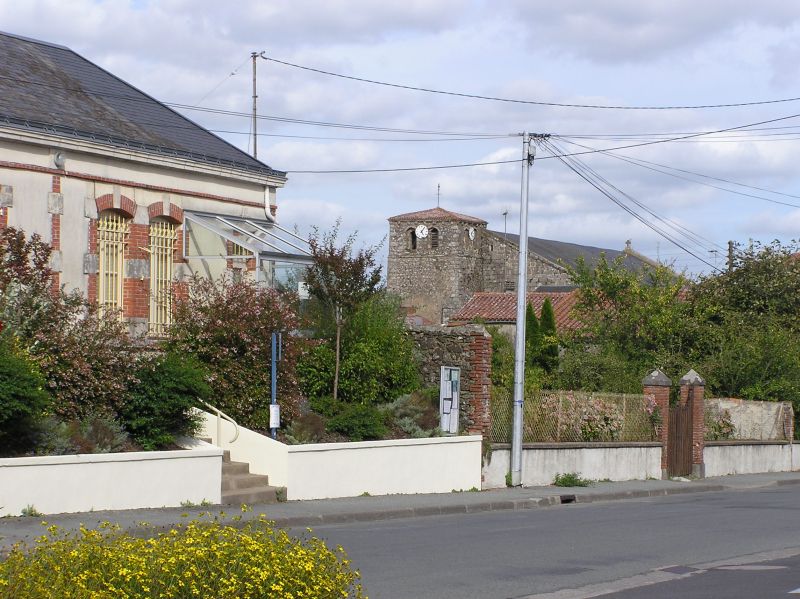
column 220, row 415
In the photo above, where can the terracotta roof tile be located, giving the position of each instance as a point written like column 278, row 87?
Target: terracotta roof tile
column 437, row 214
column 497, row 307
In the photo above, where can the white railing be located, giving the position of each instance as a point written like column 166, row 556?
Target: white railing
column 220, row 415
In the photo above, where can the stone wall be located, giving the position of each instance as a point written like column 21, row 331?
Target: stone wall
column 500, row 262
column 469, row 348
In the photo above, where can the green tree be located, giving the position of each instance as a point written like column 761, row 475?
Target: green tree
column 22, row 398
column 548, row 356
column 342, row 280
column 533, row 338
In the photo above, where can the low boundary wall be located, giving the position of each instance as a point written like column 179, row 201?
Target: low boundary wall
column 110, row 481
column 326, row 470
column 598, row 461
column 750, row 457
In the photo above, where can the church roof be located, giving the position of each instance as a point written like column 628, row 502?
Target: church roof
column 497, row 307
column 437, row 213
column 53, row 90
column 564, row 252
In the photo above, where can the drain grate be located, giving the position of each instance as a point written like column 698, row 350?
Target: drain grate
column 567, row 498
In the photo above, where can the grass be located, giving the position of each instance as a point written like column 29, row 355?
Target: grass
column 571, row 479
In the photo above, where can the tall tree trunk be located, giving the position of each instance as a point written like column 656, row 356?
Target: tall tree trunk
column 336, row 371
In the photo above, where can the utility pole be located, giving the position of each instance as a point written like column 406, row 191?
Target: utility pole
column 254, row 56
column 438, row 193
column 730, row 255
column 528, row 154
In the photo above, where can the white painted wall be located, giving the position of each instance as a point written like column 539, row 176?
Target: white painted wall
column 112, row 481
column 750, row 458
column 541, row 464
column 435, row 465
column 323, row 470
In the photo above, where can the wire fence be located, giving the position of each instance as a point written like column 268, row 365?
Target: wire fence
column 576, row 416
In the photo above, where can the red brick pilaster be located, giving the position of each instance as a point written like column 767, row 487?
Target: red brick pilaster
column 55, row 235
column 480, row 351
column 658, row 385
column 693, row 392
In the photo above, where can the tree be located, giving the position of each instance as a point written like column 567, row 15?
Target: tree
column 533, row 337
column 548, row 354
column 227, row 326
column 342, row 280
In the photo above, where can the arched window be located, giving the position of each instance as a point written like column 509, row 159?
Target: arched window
column 112, row 234
column 411, row 239
column 434, row 237
column 162, row 250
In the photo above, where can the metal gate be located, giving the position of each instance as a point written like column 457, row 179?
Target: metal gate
column 679, row 443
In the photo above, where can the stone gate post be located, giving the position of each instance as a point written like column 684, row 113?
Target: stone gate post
column 658, row 384
column 693, row 389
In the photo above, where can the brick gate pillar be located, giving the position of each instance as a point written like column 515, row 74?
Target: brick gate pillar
column 693, row 390
column 658, row 385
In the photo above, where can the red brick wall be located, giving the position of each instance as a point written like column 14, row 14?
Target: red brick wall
column 480, row 384
column 695, row 394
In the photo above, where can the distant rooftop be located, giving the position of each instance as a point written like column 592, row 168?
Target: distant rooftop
column 52, row 89
column 498, row 308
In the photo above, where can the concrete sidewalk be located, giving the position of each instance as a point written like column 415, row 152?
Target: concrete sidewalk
column 358, row 509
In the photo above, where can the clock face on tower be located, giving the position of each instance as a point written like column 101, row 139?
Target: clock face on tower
column 472, row 233
column 421, row 231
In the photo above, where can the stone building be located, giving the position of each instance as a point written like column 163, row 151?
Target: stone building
column 439, row 259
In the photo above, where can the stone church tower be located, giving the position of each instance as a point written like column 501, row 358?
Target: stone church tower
column 435, row 261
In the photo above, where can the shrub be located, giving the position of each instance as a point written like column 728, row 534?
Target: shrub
column 200, row 559
column 160, row 404
column 377, row 361
column 571, row 479
column 414, row 414
column 359, row 422
column 308, row 428
column 97, row 433
column 22, row 399
column 227, row 326
column 83, row 357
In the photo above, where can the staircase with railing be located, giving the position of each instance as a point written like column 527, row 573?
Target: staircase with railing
column 238, row 484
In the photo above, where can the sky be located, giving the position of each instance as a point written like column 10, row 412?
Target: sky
column 732, row 185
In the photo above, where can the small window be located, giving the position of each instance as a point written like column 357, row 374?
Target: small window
column 434, row 238
column 411, row 239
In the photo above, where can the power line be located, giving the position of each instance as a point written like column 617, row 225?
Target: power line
column 401, row 169
column 691, row 236
column 654, row 166
column 518, row 101
column 231, row 74
column 587, row 175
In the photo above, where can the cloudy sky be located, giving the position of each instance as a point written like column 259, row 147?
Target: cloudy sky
column 604, row 52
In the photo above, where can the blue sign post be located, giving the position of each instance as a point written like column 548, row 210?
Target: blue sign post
column 274, row 408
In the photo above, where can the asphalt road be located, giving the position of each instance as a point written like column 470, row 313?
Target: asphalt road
column 647, row 546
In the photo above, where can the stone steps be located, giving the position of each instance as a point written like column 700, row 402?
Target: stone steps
column 239, row 486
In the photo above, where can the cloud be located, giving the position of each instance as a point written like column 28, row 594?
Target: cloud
column 625, row 31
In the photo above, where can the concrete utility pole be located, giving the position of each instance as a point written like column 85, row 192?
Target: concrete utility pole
column 528, row 154
column 254, row 56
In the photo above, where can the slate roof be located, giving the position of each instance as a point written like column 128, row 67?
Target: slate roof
column 52, row 89
column 499, row 308
column 562, row 251
column 436, row 214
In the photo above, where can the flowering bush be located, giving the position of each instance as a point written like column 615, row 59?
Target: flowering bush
column 228, row 327
column 719, row 425
column 600, row 420
column 200, row 559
